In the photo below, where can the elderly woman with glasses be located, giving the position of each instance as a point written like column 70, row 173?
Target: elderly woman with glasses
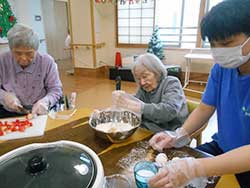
column 28, row 79
column 160, row 98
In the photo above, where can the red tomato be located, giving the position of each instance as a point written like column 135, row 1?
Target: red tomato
column 1, row 132
column 21, row 128
column 13, row 126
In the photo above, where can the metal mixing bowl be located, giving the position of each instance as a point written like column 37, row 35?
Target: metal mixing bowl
column 114, row 116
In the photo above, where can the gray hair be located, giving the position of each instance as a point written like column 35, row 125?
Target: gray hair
column 153, row 64
column 21, row 35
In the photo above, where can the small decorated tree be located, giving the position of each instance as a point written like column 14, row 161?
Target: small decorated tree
column 155, row 45
column 7, row 18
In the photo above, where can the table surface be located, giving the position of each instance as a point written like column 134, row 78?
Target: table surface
column 116, row 158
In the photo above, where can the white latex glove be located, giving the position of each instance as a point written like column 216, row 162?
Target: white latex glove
column 41, row 107
column 95, row 114
column 179, row 173
column 169, row 139
column 116, row 95
column 120, row 99
column 11, row 102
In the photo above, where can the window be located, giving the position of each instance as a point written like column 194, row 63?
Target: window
column 178, row 22
column 211, row 3
column 135, row 22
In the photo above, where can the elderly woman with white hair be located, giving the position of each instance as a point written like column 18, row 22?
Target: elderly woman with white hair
column 28, row 79
column 160, row 98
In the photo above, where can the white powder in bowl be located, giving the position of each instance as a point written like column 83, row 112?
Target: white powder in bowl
column 112, row 127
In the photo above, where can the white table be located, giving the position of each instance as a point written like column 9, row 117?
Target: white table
column 189, row 58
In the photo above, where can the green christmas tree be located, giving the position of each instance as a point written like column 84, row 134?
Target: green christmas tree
column 7, row 18
column 155, row 45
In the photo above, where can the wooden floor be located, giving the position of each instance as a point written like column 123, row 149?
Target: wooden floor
column 95, row 93
column 91, row 92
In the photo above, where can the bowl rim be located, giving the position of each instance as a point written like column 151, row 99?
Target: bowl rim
column 118, row 110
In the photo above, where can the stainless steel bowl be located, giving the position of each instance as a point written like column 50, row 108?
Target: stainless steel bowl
column 114, row 116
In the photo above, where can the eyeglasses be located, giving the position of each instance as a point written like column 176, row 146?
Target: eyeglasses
column 26, row 53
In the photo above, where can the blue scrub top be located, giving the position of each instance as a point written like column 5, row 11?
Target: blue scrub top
column 230, row 94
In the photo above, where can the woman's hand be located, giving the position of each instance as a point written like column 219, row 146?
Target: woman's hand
column 11, row 102
column 41, row 107
column 120, row 99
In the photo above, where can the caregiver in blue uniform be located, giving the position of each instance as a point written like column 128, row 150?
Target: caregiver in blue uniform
column 227, row 27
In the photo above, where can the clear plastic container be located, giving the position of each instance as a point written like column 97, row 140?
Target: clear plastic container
column 117, row 181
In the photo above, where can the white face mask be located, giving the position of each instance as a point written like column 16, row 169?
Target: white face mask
column 230, row 57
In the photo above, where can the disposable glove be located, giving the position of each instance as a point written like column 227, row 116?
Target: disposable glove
column 11, row 102
column 96, row 113
column 120, row 99
column 41, row 107
column 180, row 172
column 169, row 139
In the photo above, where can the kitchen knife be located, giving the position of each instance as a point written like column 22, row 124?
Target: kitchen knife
column 22, row 110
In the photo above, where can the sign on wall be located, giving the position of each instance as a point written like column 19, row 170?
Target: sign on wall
column 122, row 2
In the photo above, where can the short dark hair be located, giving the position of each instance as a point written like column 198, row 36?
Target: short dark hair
column 226, row 19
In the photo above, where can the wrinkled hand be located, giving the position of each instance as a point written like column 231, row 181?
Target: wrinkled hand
column 120, row 99
column 41, row 107
column 177, row 173
column 11, row 102
column 169, row 139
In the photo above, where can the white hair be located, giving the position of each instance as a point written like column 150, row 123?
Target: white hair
column 21, row 35
column 152, row 63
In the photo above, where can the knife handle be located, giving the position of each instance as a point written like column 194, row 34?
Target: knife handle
column 67, row 102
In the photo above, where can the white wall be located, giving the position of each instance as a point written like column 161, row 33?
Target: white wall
column 107, row 35
column 4, row 48
column 25, row 11
column 102, row 55
column 82, row 33
column 55, row 27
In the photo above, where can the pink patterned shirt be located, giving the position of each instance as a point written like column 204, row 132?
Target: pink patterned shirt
column 36, row 81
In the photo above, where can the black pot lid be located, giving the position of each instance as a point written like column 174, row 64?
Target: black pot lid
column 50, row 167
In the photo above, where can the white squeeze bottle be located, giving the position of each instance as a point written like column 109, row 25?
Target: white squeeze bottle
column 72, row 100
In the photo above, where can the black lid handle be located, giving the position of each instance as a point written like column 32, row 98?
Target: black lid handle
column 37, row 165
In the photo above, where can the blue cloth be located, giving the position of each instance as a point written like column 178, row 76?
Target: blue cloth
column 229, row 92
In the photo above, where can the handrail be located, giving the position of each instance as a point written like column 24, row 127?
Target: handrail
column 97, row 45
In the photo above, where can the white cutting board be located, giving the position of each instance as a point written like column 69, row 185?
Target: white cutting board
column 37, row 129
